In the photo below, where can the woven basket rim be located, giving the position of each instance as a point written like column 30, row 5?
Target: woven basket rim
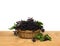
column 28, row 31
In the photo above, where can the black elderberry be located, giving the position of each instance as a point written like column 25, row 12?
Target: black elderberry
column 18, row 22
column 42, row 30
column 30, row 19
column 33, row 39
column 15, row 33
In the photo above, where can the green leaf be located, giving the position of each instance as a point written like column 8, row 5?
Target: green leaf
column 39, row 23
column 13, row 27
column 40, row 37
column 47, row 37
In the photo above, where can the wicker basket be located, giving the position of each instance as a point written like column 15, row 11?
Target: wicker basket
column 27, row 34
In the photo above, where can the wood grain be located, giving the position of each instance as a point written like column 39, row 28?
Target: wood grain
column 7, row 38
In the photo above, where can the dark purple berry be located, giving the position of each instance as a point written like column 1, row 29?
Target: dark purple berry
column 30, row 19
column 15, row 33
column 42, row 30
column 33, row 39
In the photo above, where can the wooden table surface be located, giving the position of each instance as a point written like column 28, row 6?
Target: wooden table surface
column 7, row 38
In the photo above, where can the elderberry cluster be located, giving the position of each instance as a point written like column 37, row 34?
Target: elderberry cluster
column 30, row 24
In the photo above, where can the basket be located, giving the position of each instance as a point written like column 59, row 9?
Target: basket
column 28, row 34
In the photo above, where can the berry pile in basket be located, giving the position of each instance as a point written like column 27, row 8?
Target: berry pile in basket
column 29, row 24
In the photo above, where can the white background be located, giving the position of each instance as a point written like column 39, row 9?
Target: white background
column 47, row 11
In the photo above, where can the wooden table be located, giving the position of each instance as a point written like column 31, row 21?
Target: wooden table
column 7, row 38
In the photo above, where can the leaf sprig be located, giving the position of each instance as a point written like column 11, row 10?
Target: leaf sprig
column 42, row 37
